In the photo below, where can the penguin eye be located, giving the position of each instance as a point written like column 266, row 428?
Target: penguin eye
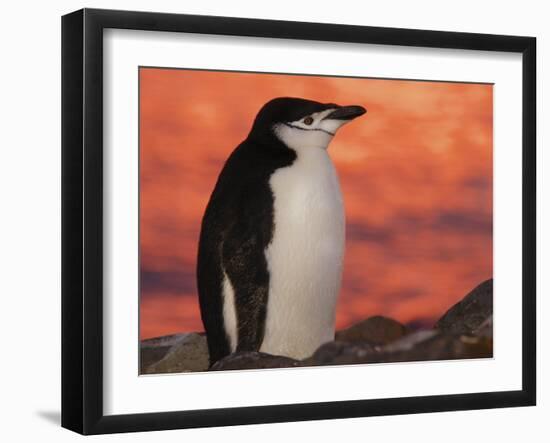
column 308, row 120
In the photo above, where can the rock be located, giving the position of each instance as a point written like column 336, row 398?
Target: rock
column 419, row 324
column 418, row 346
column 468, row 314
column 186, row 353
column 485, row 329
column 165, row 340
column 376, row 330
column 154, row 349
column 253, row 360
column 151, row 355
column 409, row 342
column 340, row 353
column 432, row 345
column 465, row 331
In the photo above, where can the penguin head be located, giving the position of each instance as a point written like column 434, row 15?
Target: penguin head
column 303, row 124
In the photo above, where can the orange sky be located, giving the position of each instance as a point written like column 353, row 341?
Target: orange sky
column 415, row 172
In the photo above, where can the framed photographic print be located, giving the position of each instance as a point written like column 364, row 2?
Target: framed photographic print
column 269, row 221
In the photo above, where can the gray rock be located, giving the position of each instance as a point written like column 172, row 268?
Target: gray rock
column 485, row 329
column 468, row 314
column 253, row 360
column 186, row 353
column 418, row 346
column 377, row 330
column 432, row 345
column 340, row 353
column 151, row 355
column 154, row 349
column 165, row 340
column 465, row 331
column 409, row 342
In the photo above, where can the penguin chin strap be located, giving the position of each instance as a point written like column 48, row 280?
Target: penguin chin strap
column 297, row 138
column 290, row 125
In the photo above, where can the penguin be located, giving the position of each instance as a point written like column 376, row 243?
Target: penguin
column 272, row 237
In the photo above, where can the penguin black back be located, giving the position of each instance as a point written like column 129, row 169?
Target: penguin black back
column 236, row 228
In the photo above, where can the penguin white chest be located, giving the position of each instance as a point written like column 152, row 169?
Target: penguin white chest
column 305, row 255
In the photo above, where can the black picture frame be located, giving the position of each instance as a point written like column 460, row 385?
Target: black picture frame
column 82, row 219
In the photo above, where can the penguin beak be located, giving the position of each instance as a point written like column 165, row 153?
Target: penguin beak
column 346, row 113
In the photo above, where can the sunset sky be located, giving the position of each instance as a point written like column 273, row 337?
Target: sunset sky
column 415, row 173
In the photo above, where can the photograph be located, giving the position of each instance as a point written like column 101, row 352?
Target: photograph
column 301, row 220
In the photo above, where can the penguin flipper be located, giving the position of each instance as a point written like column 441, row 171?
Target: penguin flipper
column 245, row 265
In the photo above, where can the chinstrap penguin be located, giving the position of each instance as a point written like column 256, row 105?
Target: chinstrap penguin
column 272, row 237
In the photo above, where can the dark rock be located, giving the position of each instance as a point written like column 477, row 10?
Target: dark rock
column 166, row 340
column 485, row 329
column 409, row 342
column 418, row 346
column 340, row 353
column 154, row 349
column 465, row 331
column 253, row 360
column 376, row 330
column 151, row 355
column 186, row 353
column 419, row 324
column 468, row 314
column 432, row 345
